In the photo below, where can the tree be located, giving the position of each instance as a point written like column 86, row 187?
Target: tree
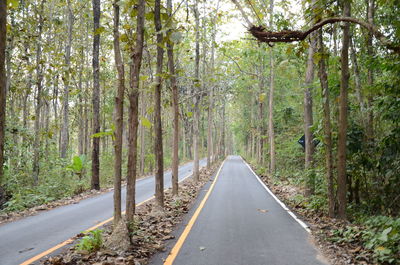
column 323, row 77
column 308, row 110
column 271, row 99
column 135, row 65
column 64, row 135
column 119, row 115
column 96, row 96
column 3, row 84
column 39, row 80
column 175, row 106
column 344, row 84
column 158, row 142
column 196, row 98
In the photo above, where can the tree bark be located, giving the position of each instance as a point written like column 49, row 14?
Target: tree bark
column 196, row 98
column 271, row 100
column 3, row 87
column 370, row 74
column 119, row 115
column 158, row 142
column 323, row 77
column 136, row 63
column 64, row 126
column 96, row 97
column 341, row 165
column 175, row 107
column 308, row 114
column 39, row 79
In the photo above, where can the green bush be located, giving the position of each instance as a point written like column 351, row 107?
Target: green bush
column 91, row 242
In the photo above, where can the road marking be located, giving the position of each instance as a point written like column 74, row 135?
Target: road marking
column 175, row 250
column 306, row 227
column 71, row 240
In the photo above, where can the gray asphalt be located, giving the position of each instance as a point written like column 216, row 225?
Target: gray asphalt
column 25, row 238
column 241, row 223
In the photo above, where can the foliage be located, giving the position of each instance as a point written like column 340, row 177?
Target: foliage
column 91, row 242
column 379, row 234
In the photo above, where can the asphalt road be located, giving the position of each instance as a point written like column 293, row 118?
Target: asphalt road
column 241, row 223
column 26, row 238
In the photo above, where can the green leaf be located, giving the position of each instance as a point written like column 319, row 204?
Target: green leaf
column 13, row 4
column 99, row 30
column 145, row 122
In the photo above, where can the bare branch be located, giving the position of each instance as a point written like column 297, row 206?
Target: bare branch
column 262, row 35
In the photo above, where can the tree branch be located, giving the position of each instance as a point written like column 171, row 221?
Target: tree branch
column 262, row 35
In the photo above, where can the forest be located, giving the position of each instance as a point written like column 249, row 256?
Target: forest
column 98, row 94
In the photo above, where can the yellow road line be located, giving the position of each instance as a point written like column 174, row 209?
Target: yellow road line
column 70, row 240
column 175, row 250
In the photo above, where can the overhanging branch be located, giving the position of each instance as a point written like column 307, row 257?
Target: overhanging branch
column 261, row 34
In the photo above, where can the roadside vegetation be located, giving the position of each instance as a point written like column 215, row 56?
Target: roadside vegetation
column 94, row 94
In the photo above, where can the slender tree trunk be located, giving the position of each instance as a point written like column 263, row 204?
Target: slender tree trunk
column 96, row 97
column 341, row 165
column 370, row 74
column 175, row 107
column 81, row 132
column 196, row 99
column 158, row 142
column 64, row 126
column 3, row 87
column 271, row 100
column 323, row 77
column 211, row 98
column 119, row 116
column 308, row 113
column 39, row 79
column 357, row 80
column 142, row 136
column 136, row 63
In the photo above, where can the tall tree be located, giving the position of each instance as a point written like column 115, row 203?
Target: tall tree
column 175, row 106
column 196, row 98
column 158, row 142
column 135, row 65
column 308, row 110
column 96, row 96
column 323, row 77
column 342, row 137
column 39, row 80
column 65, row 124
column 271, row 132
column 119, row 115
column 3, row 86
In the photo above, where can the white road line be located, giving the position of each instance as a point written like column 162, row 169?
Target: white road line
column 304, row 225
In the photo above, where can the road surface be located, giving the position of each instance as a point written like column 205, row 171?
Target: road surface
column 26, row 238
column 241, row 223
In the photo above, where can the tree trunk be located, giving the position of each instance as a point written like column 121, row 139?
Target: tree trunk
column 271, row 100
column 323, row 77
column 370, row 74
column 158, row 143
column 96, row 97
column 142, row 136
column 341, row 165
column 64, row 126
column 39, row 79
column 175, row 107
column 196, row 99
column 119, row 116
column 3, row 86
column 308, row 114
column 136, row 63
column 81, row 132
